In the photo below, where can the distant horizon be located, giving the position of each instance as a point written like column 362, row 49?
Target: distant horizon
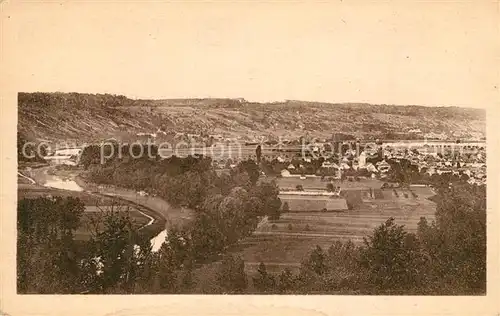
column 398, row 53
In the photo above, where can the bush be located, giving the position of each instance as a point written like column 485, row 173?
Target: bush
column 330, row 187
column 353, row 199
column 231, row 275
column 264, row 282
column 286, row 207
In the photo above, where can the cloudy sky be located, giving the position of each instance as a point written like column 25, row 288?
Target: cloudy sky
column 428, row 53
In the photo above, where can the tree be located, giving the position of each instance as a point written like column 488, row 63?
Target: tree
column 286, row 281
column 258, row 153
column 392, row 258
column 457, row 240
column 299, row 187
column 268, row 193
column 111, row 248
column 264, row 282
column 29, row 152
column 47, row 254
column 251, row 168
column 286, row 207
column 330, row 187
column 231, row 275
column 316, row 261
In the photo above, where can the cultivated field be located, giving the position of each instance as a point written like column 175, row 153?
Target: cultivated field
column 315, row 183
column 285, row 242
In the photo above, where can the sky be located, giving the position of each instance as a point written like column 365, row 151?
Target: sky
column 423, row 53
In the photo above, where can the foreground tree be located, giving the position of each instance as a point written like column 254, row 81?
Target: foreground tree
column 231, row 275
column 264, row 282
column 392, row 258
column 456, row 242
column 47, row 254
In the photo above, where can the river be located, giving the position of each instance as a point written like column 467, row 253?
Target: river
column 52, row 181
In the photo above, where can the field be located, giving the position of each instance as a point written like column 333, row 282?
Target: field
column 315, row 183
column 285, row 242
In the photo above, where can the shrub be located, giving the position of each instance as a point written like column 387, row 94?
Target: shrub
column 286, row 207
column 353, row 199
column 231, row 275
column 330, row 187
column 264, row 282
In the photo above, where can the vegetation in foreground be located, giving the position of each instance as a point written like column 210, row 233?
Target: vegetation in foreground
column 446, row 257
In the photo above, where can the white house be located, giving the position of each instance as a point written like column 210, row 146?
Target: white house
column 285, row 173
column 362, row 160
column 327, row 164
column 344, row 166
column 383, row 166
column 371, row 168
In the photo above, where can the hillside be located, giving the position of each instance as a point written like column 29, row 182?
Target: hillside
column 90, row 117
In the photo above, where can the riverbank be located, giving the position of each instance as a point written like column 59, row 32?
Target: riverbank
column 172, row 215
column 70, row 182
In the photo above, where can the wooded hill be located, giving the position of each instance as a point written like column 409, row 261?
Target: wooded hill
column 92, row 117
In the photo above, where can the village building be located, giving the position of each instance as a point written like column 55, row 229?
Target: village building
column 371, row 168
column 383, row 166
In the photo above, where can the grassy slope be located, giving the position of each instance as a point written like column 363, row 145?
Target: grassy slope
column 87, row 117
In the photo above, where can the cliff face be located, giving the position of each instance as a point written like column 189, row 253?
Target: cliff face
column 89, row 117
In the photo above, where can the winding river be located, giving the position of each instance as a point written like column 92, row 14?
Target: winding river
column 52, row 181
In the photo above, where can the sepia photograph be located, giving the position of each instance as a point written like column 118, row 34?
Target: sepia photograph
column 237, row 148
